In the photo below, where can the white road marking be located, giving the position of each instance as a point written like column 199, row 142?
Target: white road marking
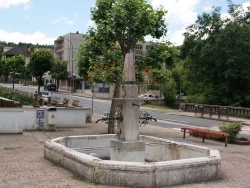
column 171, row 122
column 176, row 121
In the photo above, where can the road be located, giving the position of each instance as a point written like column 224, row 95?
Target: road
column 164, row 118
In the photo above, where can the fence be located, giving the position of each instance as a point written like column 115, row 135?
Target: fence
column 228, row 111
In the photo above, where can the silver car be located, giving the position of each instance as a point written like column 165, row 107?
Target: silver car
column 146, row 96
column 46, row 95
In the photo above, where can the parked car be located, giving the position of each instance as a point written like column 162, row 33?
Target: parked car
column 146, row 96
column 50, row 87
column 46, row 95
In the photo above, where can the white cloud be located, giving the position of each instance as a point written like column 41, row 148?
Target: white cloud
column 177, row 37
column 34, row 38
column 181, row 13
column 208, row 8
column 64, row 20
column 91, row 23
column 8, row 3
column 245, row 5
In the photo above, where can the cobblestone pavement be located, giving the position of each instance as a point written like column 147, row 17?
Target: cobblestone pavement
column 22, row 164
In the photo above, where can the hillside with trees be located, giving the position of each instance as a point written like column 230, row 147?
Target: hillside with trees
column 28, row 45
column 217, row 58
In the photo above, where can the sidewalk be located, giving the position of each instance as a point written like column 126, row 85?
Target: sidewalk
column 22, row 164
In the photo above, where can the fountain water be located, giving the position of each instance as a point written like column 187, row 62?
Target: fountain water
column 130, row 159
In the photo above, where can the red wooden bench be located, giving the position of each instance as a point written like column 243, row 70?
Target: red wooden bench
column 204, row 133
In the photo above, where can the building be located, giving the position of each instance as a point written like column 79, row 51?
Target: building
column 141, row 48
column 9, row 52
column 15, row 51
column 66, row 48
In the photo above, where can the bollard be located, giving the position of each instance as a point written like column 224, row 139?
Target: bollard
column 36, row 102
column 49, row 101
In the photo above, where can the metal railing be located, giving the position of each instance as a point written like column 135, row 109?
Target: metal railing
column 228, row 111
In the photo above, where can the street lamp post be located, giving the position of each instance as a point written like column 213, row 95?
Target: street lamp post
column 72, row 87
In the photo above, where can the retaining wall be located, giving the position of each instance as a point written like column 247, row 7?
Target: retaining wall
column 16, row 120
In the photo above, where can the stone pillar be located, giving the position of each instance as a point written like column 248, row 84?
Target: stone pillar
column 128, row 147
column 129, row 126
column 131, row 88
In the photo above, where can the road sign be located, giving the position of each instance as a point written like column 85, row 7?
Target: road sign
column 40, row 115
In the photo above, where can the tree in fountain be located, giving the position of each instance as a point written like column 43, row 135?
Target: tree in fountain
column 124, row 22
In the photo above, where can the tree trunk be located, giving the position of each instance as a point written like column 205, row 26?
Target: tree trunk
column 111, row 125
column 39, row 80
column 57, row 84
column 25, row 80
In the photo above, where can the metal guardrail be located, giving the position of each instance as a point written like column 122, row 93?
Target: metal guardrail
column 228, row 111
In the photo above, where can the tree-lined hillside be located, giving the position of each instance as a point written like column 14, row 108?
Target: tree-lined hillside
column 217, row 58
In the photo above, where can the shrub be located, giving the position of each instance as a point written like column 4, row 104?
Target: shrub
column 169, row 94
column 24, row 98
column 232, row 128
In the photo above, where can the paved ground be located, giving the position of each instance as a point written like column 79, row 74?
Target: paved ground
column 22, row 164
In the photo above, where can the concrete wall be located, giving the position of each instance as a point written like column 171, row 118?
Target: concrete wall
column 11, row 120
column 16, row 120
column 98, row 144
column 72, row 117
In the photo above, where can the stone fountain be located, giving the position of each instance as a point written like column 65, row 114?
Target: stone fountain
column 133, row 160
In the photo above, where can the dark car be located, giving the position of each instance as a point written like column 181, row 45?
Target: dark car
column 50, row 87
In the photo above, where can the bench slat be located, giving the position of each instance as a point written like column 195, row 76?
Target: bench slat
column 205, row 132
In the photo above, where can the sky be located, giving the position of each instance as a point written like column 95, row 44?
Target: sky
column 42, row 21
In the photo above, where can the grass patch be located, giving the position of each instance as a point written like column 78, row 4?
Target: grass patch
column 11, row 148
column 24, row 98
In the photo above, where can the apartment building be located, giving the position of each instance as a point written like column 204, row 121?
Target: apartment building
column 66, row 48
column 141, row 48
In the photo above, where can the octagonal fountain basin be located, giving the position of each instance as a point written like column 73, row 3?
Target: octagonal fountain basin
column 166, row 163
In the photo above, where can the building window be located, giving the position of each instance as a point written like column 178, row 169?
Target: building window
column 138, row 47
column 103, row 88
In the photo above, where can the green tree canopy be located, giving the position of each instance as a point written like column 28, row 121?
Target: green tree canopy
column 25, row 73
column 217, row 58
column 2, row 61
column 41, row 61
column 127, row 22
column 124, row 22
column 15, row 63
column 59, row 71
column 13, row 66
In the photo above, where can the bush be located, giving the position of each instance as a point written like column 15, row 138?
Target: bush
column 169, row 94
column 23, row 97
column 232, row 128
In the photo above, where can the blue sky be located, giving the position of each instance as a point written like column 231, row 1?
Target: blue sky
column 42, row 21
